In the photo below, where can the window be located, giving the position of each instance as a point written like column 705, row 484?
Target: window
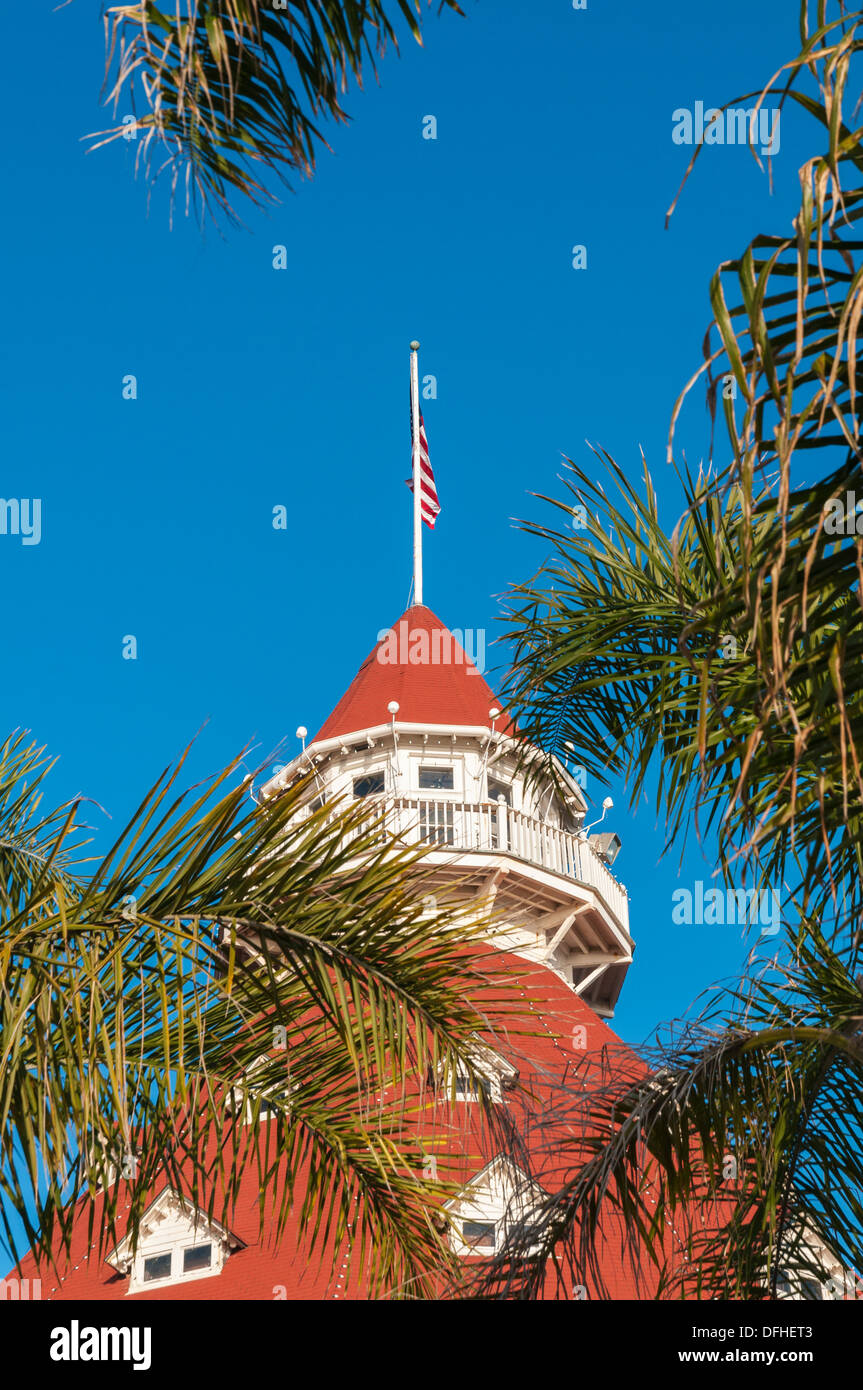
column 492, row 1074
column 479, row 1235
column 197, row 1257
column 497, row 789
column 436, row 779
column 372, row 784
column 489, row 1087
column 499, row 1199
column 271, row 1109
column 157, row 1267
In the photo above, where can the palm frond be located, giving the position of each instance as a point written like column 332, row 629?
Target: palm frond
column 232, row 91
column 139, row 1003
column 713, row 1166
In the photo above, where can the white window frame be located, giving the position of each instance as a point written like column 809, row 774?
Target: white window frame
column 490, row 1208
column 138, row 1284
column 156, row 1255
column 488, row 1067
column 453, row 762
column 505, row 771
column 487, row 1220
column 358, row 775
column 503, row 782
column 205, row 1269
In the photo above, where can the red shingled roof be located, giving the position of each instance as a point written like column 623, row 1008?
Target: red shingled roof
column 563, row 1026
column 421, row 665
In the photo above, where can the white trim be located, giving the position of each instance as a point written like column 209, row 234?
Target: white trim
column 488, row 1066
column 324, row 747
column 171, row 1226
column 500, row 1193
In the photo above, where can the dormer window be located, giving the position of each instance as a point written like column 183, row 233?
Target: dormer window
column 436, row 779
column 371, row 784
column 492, row 1074
column 500, row 1201
column 177, row 1244
column 272, row 1103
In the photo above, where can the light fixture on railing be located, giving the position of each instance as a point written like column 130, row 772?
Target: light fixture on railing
column 494, row 715
column 249, row 777
column 606, row 845
column 302, row 734
column 606, row 806
column 393, row 708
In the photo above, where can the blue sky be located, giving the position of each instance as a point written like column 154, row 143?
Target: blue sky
column 259, row 387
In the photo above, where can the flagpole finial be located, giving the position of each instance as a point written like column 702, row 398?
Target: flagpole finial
column 415, row 346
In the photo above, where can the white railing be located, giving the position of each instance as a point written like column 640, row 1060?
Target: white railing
column 461, row 825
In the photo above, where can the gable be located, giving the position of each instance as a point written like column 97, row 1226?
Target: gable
column 176, row 1243
column 499, row 1198
column 488, row 1070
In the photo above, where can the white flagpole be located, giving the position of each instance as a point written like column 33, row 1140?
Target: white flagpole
column 418, row 519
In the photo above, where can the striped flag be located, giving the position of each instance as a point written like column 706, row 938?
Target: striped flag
column 429, row 505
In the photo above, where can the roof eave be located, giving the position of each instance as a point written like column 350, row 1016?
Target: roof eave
column 321, row 748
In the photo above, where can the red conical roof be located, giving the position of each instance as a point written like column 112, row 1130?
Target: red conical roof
column 421, row 665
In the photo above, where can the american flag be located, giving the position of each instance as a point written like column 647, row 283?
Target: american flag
column 429, row 505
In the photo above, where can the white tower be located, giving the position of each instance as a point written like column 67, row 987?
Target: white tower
column 420, row 732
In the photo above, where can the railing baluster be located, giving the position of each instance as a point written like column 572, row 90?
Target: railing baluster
column 488, row 827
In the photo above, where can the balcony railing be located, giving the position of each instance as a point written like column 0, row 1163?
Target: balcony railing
column 465, row 826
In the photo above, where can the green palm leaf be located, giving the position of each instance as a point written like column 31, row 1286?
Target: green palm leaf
column 139, row 1008
column 725, row 660
column 231, row 91
column 713, row 1167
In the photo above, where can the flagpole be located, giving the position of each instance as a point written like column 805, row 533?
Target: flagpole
column 418, row 521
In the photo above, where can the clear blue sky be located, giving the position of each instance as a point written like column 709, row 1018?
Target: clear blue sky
column 258, row 387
